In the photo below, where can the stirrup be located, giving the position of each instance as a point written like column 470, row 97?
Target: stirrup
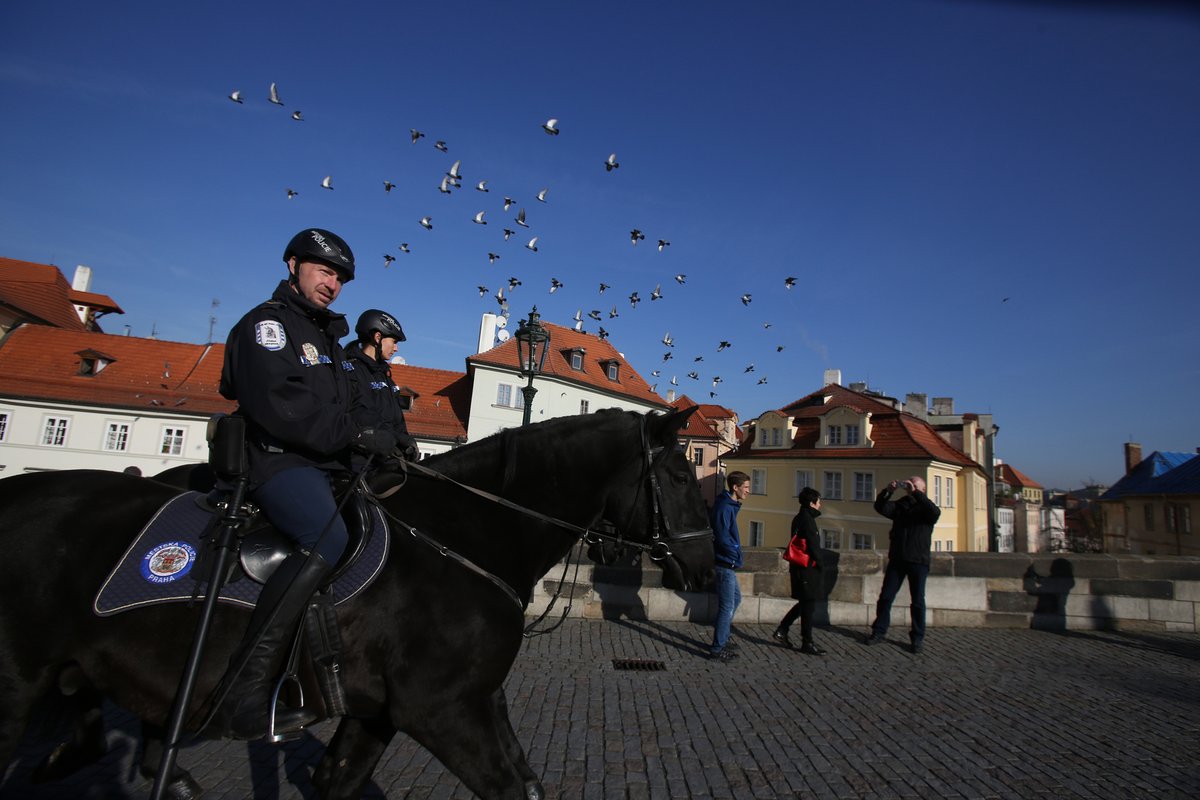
column 290, row 675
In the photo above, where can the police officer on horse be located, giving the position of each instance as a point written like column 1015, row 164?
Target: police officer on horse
column 292, row 382
column 379, row 406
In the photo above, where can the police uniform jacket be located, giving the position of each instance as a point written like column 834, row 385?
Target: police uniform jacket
column 291, row 381
column 378, row 403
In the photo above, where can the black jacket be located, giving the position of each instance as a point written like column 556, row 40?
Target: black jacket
column 291, row 380
column 913, row 517
column 378, row 404
column 806, row 581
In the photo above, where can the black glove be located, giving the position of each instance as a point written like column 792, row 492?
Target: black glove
column 407, row 447
column 375, row 441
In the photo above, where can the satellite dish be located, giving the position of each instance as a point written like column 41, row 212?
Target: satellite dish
column 501, row 322
column 502, row 335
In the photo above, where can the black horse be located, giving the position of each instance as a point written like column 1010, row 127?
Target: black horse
column 428, row 644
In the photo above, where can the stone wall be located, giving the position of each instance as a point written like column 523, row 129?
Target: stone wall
column 1001, row 590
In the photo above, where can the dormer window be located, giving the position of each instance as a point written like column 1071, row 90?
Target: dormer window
column 405, row 397
column 92, row 362
column 612, row 369
column 575, row 358
column 845, row 427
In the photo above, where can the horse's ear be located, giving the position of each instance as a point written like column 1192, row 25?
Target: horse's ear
column 665, row 426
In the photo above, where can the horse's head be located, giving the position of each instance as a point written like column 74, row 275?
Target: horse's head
column 659, row 505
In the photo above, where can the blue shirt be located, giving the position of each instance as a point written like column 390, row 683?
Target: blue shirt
column 727, row 544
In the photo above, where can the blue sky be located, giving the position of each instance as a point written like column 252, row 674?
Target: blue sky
column 912, row 163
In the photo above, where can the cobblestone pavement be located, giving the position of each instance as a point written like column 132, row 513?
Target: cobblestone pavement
column 978, row 714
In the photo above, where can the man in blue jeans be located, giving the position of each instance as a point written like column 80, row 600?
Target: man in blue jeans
column 913, row 517
column 727, row 553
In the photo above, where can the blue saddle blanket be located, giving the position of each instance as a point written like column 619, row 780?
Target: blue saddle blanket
column 160, row 566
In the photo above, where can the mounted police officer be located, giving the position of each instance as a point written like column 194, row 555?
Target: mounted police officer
column 379, row 405
column 291, row 380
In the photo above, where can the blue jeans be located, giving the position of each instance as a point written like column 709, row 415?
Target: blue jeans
column 893, row 576
column 729, row 597
column 299, row 502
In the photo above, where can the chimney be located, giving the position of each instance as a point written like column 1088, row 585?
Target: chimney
column 670, row 395
column 833, row 376
column 943, row 406
column 858, row 386
column 83, row 279
column 915, row 404
column 1133, row 456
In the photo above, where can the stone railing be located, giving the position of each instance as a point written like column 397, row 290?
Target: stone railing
column 1000, row 590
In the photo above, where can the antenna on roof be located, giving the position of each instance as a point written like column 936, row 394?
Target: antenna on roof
column 154, row 330
column 212, row 318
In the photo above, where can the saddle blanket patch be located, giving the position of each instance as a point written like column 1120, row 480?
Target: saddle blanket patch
column 161, row 564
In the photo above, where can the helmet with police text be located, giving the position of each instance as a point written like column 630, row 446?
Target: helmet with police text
column 316, row 244
column 373, row 320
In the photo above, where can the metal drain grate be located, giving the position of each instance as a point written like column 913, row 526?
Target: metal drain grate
column 639, row 664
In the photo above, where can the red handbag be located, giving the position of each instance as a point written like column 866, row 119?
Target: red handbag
column 797, row 552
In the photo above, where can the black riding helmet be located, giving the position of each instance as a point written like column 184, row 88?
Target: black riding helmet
column 373, row 320
column 317, row 244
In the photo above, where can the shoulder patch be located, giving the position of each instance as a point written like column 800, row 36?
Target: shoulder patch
column 270, row 334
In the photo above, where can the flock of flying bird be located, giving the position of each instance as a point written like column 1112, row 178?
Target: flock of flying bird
column 451, row 181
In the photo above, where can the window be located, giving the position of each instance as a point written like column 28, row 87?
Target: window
column 833, row 486
column 3, row 425
column 172, row 441
column 612, row 370
column 949, row 492
column 758, row 481
column 762, row 437
column 698, row 456
column 776, row 436
column 937, row 490
column 756, row 534
column 503, row 394
column 577, row 360
column 851, row 434
column 937, row 546
column 949, row 548
column 1149, row 509
column 864, row 541
column 116, row 438
column 804, row 478
column 835, row 435
column 864, row 486
column 1179, row 518
column 831, row 539
column 583, row 406
column 54, row 433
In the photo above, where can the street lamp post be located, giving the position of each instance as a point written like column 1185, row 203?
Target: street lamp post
column 532, row 343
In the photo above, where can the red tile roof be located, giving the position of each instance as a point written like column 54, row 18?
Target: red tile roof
column 1017, row 479
column 598, row 352
column 699, row 426
column 38, row 362
column 896, row 434
column 40, row 293
column 713, row 411
column 442, row 404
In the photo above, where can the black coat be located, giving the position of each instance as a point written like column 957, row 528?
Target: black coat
column 379, row 405
column 806, row 581
column 913, row 517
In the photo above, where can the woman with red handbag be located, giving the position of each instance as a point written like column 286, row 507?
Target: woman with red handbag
column 805, row 570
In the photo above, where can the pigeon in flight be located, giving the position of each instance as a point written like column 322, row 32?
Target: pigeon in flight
column 415, row 134
column 492, row 257
column 236, row 95
column 444, row 188
column 761, row 381
column 716, row 379
column 681, row 279
column 578, row 319
column 542, row 194
column 634, row 300
column 427, row 223
column 508, row 202
column 483, row 290
column 594, row 314
column 454, row 173
column 663, row 243
column 674, row 381
column 388, row 186
column 603, row 334
column 667, row 340
column 604, row 286
column 521, row 219
column 667, row 356
column 296, row 115
column 532, row 244
column 697, row 359
column 507, row 233
column 655, row 373
column 789, row 282
column 404, row 247
column 694, row 375
column 499, row 295
column 711, row 395
column 274, row 96
column 327, row 183
column 723, row 346
column 292, row 193
column 550, row 126
column 613, row 313
column 779, row 348
column 746, row 299
column 611, row 163
column 750, row 368
column 481, row 187
column 555, row 285
column 479, row 220
column 657, row 293
column 388, row 258
column 440, row 145
column 635, row 235
column 766, row 326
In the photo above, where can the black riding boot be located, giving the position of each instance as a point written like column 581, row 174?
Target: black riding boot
column 282, row 601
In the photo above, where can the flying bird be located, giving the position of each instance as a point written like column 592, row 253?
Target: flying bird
column 513, row 283
column 542, row 194
column 634, row 300
column 657, row 293
column 723, row 346
column 674, row 381
column 694, row 375
column 454, row 175
column 789, row 282
column 761, row 381
column 663, row 243
column 532, row 244
column 779, row 348
column 479, row 220
column 507, row 233
column 445, row 186
column 746, row 299
column 716, row 379
column 578, row 319
column 388, row 186
column 427, row 223
column 440, row 145
column 603, row 334
column 236, row 95
column 697, row 359
column 483, row 290
column 404, row 247
column 550, row 126
column 416, row 134
column 521, row 218
column 604, row 286
column 611, row 163
column 594, row 314
column 667, row 356
column 292, row 193
column 508, row 201
column 388, row 258
column 555, row 285
column 493, row 256
column 327, row 183
column 613, row 313
column 655, row 373
column 750, row 368
column 1005, row 300
column 667, row 340
column 635, row 235
column 296, row 115
column 766, row 326
column 274, row 96
column 681, row 279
